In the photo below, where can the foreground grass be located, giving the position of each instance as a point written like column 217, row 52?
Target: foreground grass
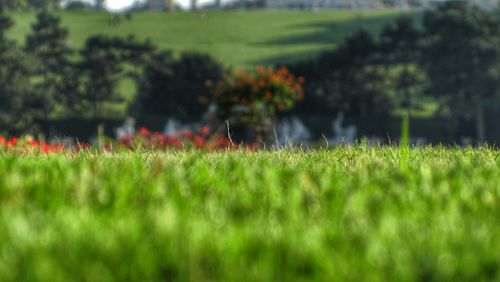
column 347, row 214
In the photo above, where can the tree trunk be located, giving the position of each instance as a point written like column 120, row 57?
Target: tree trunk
column 194, row 4
column 480, row 125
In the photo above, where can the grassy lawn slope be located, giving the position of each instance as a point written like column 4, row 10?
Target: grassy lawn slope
column 236, row 38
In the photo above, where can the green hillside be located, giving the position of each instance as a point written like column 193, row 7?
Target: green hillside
column 236, row 38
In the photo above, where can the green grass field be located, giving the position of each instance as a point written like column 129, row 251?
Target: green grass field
column 236, row 38
column 347, row 214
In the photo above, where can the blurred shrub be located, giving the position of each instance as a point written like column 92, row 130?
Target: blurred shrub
column 176, row 87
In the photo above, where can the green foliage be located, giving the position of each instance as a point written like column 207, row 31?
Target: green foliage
column 350, row 214
column 48, row 45
column 104, row 62
column 17, row 103
column 349, row 79
column 461, row 58
column 360, row 81
column 400, row 53
column 399, row 41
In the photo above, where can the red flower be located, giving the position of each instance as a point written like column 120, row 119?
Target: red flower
column 221, row 142
column 33, row 142
column 204, row 130
column 172, row 142
column 127, row 139
column 13, row 141
column 144, row 132
column 45, row 148
column 187, row 134
column 198, row 141
column 59, row 147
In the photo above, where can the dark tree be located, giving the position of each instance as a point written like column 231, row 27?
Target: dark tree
column 17, row 109
column 101, row 67
column 104, row 61
column 153, row 97
column 319, row 76
column 349, row 79
column 461, row 57
column 359, row 79
column 177, row 88
column 400, row 52
column 47, row 44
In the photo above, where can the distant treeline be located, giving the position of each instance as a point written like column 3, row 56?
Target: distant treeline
column 45, row 78
column 451, row 58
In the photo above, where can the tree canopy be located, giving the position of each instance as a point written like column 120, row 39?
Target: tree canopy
column 461, row 57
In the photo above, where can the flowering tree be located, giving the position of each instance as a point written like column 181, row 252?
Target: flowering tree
column 254, row 98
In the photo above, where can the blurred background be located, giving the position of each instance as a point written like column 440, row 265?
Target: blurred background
column 295, row 71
